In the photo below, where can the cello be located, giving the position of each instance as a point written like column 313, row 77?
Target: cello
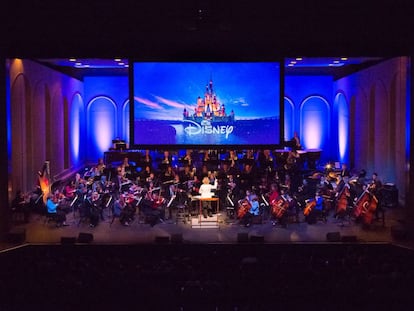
column 244, row 207
column 310, row 205
column 342, row 200
column 279, row 207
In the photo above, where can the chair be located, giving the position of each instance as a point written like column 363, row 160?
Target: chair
column 230, row 212
column 50, row 217
column 181, row 214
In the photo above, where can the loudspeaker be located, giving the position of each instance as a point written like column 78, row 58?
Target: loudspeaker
column 257, row 239
column 85, row 237
column 177, row 238
column 67, row 240
column 349, row 239
column 162, row 239
column 389, row 195
column 16, row 235
column 242, row 237
column 333, row 237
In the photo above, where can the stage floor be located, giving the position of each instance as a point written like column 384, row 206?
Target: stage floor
column 37, row 231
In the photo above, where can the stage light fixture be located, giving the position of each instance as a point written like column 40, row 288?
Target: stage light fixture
column 299, row 58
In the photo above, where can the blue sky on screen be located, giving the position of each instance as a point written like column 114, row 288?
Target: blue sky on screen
column 163, row 90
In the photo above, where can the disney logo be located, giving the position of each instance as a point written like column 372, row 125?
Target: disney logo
column 205, row 127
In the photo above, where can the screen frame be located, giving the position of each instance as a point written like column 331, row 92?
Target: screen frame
column 133, row 145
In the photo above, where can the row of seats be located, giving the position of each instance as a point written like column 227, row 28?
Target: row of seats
column 207, row 277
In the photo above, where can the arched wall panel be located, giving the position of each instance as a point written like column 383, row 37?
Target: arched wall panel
column 315, row 122
column 102, row 124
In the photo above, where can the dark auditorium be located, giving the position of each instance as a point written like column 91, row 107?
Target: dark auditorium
column 206, row 155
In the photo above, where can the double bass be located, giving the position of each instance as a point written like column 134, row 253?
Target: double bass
column 366, row 206
column 244, row 208
column 279, row 206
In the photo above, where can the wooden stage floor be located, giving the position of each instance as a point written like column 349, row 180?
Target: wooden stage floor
column 37, row 231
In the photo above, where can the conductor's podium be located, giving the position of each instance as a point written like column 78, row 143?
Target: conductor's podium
column 206, row 223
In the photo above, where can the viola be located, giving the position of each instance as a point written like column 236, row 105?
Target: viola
column 244, row 208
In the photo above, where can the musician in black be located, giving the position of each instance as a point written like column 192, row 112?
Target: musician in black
column 147, row 159
column 188, row 158
column 295, row 142
column 233, row 158
column 128, row 212
column 187, row 174
column 266, row 162
column 95, row 212
column 167, row 158
column 21, row 203
column 247, row 177
column 344, row 171
column 375, row 187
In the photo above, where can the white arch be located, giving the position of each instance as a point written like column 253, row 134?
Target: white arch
column 101, row 138
column 314, row 135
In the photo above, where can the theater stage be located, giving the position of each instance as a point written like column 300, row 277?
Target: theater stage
column 228, row 231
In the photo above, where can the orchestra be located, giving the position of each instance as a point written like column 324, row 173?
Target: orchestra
column 249, row 181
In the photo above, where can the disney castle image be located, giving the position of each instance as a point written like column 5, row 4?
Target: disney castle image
column 209, row 108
